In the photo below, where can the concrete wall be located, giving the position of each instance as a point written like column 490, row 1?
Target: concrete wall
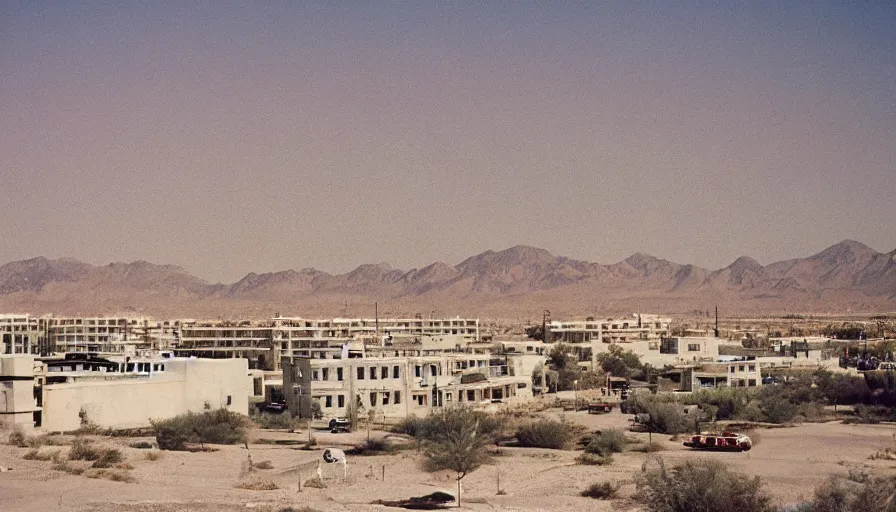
column 17, row 404
column 187, row 385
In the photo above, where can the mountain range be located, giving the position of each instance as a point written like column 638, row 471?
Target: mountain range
column 518, row 282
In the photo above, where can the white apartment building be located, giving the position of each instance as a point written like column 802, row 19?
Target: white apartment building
column 20, row 334
column 391, row 387
column 106, row 335
column 641, row 326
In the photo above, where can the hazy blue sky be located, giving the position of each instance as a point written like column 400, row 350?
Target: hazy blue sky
column 228, row 140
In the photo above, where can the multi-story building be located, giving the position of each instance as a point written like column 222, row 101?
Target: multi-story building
column 21, row 334
column 389, row 386
column 640, row 326
column 106, row 335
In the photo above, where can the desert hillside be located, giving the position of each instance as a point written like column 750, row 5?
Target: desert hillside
column 516, row 283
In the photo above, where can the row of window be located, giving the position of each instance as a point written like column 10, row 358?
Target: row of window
column 375, row 398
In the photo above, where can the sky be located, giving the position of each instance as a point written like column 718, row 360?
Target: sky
column 259, row 138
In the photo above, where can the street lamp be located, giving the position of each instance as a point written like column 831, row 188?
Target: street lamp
column 575, row 395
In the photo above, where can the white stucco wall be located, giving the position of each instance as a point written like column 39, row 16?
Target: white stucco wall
column 187, row 385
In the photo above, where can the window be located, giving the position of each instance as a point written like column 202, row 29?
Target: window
column 417, row 370
column 340, row 400
column 740, row 368
column 386, row 397
column 324, row 374
column 373, row 372
column 328, row 401
column 229, row 400
column 339, row 373
column 396, row 373
column 447, row 397
column 315, row 375
column 433, row 370
column 397, row 397
column 693, row 347
column 384, row 372
column 751, row 382
column 752, row 367
column 373, row 399
column 471, row 395
column 360, row 373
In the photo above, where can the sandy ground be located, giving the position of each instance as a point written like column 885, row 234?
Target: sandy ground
column 792, row 462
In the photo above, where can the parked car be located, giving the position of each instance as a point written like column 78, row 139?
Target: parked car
column 339, row 425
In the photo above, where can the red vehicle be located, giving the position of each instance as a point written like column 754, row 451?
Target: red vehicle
column 724, row 442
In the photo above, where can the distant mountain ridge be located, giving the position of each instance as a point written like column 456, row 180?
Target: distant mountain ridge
column 521, row 279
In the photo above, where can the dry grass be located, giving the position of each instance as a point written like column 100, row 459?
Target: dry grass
column 265, row 464
column 257, row 485
column 315, row 483
column 593, row 459
column 36, row 454
column 65, row 467
column 115, row 475
column 153, row 455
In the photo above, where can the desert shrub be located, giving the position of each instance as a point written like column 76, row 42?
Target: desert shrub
column 35, row 454
column 82, row 449
column 257, row 485
column 875, row 494
column 708, row 486
column 593, row 459
column 724, row 403
column 776, row 408
column 268, row 420
column 315, row 483
column 113, row 475
column 411, row 425
column 373, row 446
column 602, row 491
column 556, row 435
column 141, row 445
column 265, row 464
column 153, row 455
column 17, row 438
column 217, row 427
column 607, row 442
column 61, row 465
column 108, row 458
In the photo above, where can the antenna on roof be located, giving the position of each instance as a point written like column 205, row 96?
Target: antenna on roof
column 716, row 330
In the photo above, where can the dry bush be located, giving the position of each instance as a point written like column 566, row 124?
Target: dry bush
column 61, row 465
column 115, row 476
column 153, row 455
column 108, row 457
column 593, row 459
column 257, row 485
column 373, row 446
column 556, row 435
column 708, row 486
column 82, row 449
column 607, row 442
column 35, row 454
column 217, row 427
column 315, row 483
column 17, row 438
column 265, row 464
column 270, row 421
column 876, row 494
column 142, row 445
column 602, row 491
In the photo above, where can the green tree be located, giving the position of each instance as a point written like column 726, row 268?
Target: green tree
column 456, row 439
